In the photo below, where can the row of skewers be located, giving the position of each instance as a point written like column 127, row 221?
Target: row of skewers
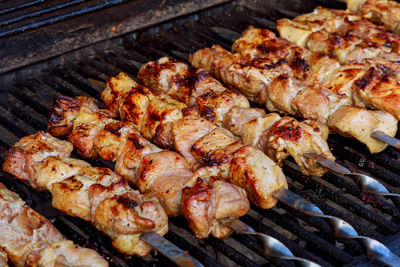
column 214, row 172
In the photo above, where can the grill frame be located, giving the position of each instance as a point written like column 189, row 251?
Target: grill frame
column 29, row 90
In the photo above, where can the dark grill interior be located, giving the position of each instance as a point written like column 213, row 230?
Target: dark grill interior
column 26, row 94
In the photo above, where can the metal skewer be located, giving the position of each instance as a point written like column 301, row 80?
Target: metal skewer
column 271, row 246
column 341, row 229
column 169, row 250
column 366, row 183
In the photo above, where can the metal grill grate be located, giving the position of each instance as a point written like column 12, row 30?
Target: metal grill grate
column 25, row 99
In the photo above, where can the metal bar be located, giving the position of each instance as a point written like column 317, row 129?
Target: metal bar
column 169, row 250
column 386, row 139
column 15, row 8
column 60, row 17
column 40, row 12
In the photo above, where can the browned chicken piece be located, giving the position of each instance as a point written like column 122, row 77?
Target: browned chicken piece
column 192, row 87
column 340, row 33
column 29, row 239
column 385, row 66
column 211, row 200
column 290, row 137
column 256, row 42
column 31, row 150
column 162, row 173
column 237, row 118
column 321, row 67
column 234, row 70
column 165, row 173
column 63, row 109
column 317, row 103
column 94, row 194
column 379, row 91
column 343, row 121
column 380, row 11
column 262, row 176
column 235, row 159
column 281, row 93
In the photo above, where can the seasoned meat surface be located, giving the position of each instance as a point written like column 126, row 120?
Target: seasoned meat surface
column 29, row 239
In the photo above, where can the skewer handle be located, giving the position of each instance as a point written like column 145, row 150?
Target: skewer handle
column 271, row 246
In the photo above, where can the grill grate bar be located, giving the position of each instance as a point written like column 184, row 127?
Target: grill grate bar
column 22, row 6
column 337, row 197
column 59, row 18
column 325, row 248
column 39, row 12
column 295, row 248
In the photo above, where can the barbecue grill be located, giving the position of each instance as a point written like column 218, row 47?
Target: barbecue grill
column 54, row 47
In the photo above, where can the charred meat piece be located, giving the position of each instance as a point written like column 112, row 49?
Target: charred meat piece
column 210, row 200
column 29, row 239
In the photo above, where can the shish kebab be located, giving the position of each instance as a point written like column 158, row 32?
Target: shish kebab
column 217, row 147
column 29, row 239
column 361, row 84
column 210, row 204
column 218, row 104
column 94, row 194
column 275, row 84
column 384, row 12
column 342, row 33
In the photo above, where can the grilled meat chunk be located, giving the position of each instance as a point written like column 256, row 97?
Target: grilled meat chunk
column 210, row 200
column 235, row 70
column 360, row 123
column 94, row 194
column 290, row 137
column 380, row 91
column 29, row 239
column 64, row 109
column 255, row 42
column 192, row 87
column 380, row 11
column 341, row 33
